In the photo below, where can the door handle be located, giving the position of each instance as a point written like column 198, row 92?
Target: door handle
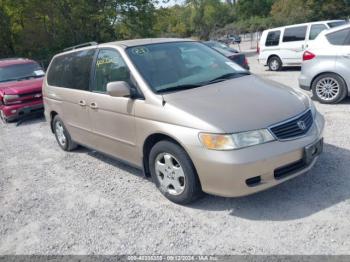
column 93, row 105
column 347, row 56
column 82, row 103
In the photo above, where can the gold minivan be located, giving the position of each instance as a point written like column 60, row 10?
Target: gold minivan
column 189, row 117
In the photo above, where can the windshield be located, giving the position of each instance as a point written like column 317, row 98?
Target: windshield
column 335, row 24
column 20, row 72
column 180, row 65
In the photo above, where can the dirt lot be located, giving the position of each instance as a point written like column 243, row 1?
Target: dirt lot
column 82, row 202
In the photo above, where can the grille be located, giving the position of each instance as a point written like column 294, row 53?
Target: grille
column 296, row 127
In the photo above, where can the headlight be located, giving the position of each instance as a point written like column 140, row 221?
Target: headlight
column 9, row 98
column 235, row 141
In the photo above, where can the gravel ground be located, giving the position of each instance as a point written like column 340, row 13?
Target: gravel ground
column 53, row 202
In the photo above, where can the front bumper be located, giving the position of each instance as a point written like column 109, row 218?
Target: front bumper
column 229, row 173
column 13, row 112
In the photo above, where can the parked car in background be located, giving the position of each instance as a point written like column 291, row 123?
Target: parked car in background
column 326, row 66
column 230, row 39
column 284, row 46
column 188, row 116
column 229, row 52
column 20, row 88
column 235, row 39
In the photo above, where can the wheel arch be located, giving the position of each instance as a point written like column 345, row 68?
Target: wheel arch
column 273, row 55
column 330, row 72
column 52, row 116
column 150, row 141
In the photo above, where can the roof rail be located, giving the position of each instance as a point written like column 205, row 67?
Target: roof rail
column 80, row 46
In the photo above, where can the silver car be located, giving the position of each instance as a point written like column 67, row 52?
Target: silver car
column 326, row 66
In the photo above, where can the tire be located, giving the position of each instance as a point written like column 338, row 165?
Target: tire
column 179, row 183
column 274, row 63
column 2, row 117
column 329, row 88
column 62, row 135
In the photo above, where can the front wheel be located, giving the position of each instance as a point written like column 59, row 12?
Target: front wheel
column 275, row 63
column 2, row 116
column 329, row 88
column 173, row 173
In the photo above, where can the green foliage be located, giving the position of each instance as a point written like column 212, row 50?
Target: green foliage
column 40, row 28
column 253, row 8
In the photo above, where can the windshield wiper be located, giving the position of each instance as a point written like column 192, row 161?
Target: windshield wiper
column 179, row 88
column 227, row 77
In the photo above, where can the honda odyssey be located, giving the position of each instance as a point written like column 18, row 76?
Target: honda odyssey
column 188, row 116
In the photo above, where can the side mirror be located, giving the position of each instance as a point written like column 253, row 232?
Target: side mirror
column 118, row 89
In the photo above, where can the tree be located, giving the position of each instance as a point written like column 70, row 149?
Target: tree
column 246, row 9
column 208, row 15
column 286, row 12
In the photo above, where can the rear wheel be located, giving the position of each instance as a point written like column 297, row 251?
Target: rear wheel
column 173, row 173
column 62, row 136
column 275, row 63
column 329, row 88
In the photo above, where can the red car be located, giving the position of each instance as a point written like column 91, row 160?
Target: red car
column 20, row 88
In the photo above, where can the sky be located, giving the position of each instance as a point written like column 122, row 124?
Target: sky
column 172, row 2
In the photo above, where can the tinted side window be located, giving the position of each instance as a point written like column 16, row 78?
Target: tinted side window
column 273, row 38
column 294, row 34
column 110, row 67
column 316, row 30
column 339, row 37
column 71, row 70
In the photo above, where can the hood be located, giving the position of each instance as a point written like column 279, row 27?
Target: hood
column 21, row 87
column 241, row 104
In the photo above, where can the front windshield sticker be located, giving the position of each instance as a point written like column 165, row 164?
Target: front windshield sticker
column 39, row 72
column 234, row 66
column 140, row 50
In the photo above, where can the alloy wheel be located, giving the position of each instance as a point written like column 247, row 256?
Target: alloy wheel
column 59, row 131
column 274, row 65
column 327, row 88
column 170, row 174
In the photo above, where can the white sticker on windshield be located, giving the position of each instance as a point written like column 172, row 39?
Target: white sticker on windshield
column 39, row 72
column 234, row 66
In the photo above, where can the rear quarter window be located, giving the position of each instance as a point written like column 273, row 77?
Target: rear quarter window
column 293, row 34
column 337, row 23
column 71, row 70
column 316, row 30
column 339, row 37
column 273, row 38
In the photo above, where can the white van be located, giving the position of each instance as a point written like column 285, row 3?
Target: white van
column 284, row 46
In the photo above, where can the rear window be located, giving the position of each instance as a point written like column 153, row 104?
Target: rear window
column 339, row 37
column 71, row 70
column 273, row 38
column 316, row 30
column 20, row 71
column 335, row 24
column 294, row 34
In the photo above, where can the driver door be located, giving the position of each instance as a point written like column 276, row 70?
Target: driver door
column 112, row 118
